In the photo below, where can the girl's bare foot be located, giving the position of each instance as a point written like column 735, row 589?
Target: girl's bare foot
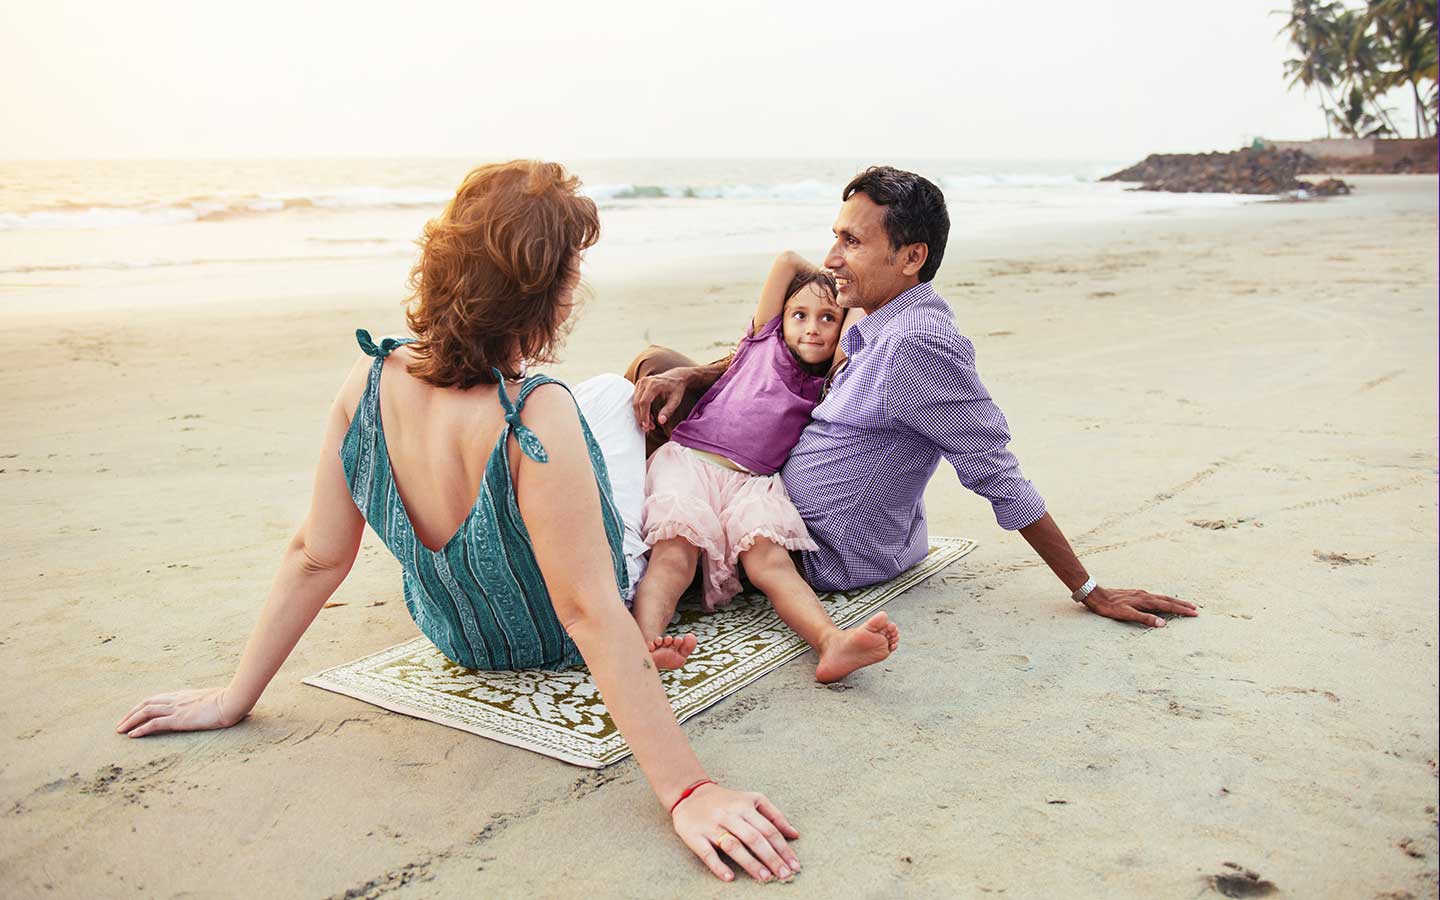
column 670, row 652
column 858, row 647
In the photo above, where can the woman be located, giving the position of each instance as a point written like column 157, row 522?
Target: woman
column 492, row 492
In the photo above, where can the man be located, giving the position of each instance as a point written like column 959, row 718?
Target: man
column 907, row 394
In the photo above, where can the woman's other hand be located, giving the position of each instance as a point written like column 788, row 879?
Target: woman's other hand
column 193, row 710
column 745, row 826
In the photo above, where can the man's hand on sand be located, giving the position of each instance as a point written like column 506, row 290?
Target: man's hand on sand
column 667, row 388
column 1133, row 605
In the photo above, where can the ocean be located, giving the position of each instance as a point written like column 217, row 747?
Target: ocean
column 99, row 224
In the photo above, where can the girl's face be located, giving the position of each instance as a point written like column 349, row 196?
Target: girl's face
column 811, row 324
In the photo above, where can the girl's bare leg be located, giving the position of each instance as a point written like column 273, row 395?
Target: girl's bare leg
column 841, row 651
column 671, row 569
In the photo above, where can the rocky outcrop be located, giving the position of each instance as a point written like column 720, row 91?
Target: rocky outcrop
column 1327, row 188
column 1246, row 171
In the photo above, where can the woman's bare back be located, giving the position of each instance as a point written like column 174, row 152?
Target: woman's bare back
column 439, row 441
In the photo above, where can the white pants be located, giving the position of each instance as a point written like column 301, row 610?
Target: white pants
column 605, row 401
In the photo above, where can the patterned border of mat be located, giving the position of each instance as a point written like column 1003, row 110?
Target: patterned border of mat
column 560, row 713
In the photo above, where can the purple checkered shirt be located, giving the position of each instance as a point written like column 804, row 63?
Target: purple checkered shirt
column 908, row 395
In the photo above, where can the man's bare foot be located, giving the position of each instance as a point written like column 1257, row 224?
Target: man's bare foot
column 858, row 647
column 670, row 652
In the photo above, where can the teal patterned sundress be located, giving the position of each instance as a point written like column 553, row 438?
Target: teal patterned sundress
column 480, row 599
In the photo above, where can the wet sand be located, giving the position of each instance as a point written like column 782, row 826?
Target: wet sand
column 1237, row 407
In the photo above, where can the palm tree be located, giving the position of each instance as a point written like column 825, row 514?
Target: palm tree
column 1311, row 26
column 1405, row 32
column 1355, row 45
column 1354, row 120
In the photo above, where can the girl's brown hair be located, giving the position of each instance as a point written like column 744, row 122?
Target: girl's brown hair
column 811, row 276
column 494, row 270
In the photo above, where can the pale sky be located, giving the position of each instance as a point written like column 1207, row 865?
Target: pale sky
column 1045, row 79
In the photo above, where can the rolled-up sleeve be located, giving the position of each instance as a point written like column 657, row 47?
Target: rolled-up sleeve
column 933, row 387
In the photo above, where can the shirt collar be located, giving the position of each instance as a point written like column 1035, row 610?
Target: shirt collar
column 869, row 328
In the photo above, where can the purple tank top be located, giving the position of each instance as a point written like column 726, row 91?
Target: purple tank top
column 755, row 412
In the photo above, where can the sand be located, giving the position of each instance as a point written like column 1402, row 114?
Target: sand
column 1237, row 407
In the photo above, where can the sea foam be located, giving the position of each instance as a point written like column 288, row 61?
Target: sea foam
column 216, row 208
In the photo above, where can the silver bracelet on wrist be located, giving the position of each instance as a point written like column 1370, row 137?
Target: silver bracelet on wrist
column 1083, row 591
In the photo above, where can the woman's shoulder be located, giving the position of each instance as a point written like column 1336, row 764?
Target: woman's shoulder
column 552, row 418
column 548, row 406
column 352, row 390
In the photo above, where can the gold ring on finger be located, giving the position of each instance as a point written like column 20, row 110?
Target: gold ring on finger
column 727, row 836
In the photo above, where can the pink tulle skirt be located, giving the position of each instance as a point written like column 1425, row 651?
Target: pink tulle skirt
column 719, row 511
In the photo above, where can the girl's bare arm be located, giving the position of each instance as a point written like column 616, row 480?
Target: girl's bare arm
column 772, row 295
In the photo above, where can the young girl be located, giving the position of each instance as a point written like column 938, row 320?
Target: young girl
column 712, row 493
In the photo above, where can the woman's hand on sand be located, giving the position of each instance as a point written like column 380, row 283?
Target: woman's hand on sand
column 192, row 710
column 1133, row 605
column 745, row 826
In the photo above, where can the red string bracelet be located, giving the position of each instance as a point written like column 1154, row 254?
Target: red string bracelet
column 688, row 791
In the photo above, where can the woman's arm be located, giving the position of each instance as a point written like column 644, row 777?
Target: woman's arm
column 560, row 504
column 772, row 295
column 315, row 562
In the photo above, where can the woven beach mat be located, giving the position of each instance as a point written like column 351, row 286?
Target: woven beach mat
column 559, row 712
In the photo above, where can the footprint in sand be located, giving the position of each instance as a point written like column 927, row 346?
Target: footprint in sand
column 1241, row 882
column 1343, row 559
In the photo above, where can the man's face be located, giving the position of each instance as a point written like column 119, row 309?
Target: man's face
column 867, row 271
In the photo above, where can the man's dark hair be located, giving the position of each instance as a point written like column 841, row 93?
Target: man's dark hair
column 914, row 210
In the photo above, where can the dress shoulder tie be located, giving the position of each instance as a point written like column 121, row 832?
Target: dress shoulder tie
column 529, row 443
column 383, row 349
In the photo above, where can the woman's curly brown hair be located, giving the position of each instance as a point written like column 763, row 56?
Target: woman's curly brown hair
column 494, row 270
